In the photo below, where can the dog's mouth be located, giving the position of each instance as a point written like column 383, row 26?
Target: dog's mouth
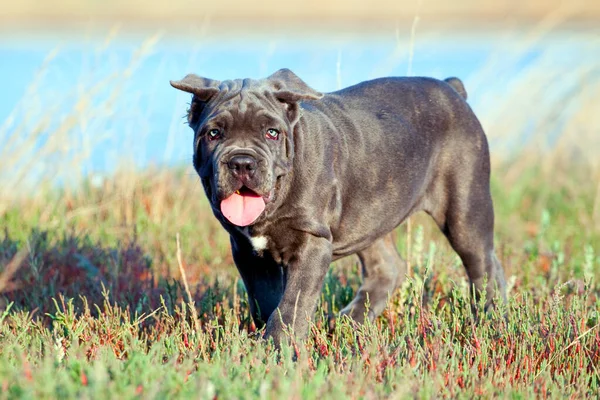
column 243, row 207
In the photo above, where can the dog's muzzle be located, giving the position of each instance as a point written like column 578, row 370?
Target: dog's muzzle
column 245, row 179
column 242, row 167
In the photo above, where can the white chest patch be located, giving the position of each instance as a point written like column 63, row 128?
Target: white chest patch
column 259, row 242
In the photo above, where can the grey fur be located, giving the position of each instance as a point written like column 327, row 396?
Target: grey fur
column 348, row 168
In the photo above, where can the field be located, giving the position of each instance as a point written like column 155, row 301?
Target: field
column 124, row 287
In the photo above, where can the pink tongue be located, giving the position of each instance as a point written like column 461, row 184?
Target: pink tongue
column 242, row 209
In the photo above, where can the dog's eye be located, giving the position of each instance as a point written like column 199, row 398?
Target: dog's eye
column 272, row 134
column 214, row 134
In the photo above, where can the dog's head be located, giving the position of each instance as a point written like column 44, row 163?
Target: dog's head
column 243, row 138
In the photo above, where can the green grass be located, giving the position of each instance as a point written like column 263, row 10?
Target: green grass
column 93, row 305
column 97, row 307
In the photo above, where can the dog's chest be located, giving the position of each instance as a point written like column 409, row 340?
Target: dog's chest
column 259, row 242
column 281, row 245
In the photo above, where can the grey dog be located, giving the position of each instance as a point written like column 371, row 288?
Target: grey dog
column 299, row 179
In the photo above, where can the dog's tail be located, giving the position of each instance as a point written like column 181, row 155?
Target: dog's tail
column 457, row 85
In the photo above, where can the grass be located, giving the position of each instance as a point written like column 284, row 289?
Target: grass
column 93, row 304
column 103, row 313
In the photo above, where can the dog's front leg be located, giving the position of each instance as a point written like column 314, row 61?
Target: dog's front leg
column 305, row 272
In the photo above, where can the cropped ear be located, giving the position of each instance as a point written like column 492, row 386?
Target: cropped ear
column 202, row 88
column 288, row 88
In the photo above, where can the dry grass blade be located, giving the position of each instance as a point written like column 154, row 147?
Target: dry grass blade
column 573, row 343
column 11, row 268
column 413, row 34
column 187, row 287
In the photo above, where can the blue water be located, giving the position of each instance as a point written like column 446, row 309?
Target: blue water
column 145, row 121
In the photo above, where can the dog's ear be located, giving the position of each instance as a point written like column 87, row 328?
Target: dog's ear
column 288, row 88
column 202, row 88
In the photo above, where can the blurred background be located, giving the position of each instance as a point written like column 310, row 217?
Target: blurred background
column 85, row 83
column 93, row 140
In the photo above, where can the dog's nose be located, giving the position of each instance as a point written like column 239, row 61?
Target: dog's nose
column 242, row 166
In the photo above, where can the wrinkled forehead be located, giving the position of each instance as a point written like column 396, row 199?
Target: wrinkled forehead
column 245, row 99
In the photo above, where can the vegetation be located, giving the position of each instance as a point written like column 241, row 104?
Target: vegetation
column 93, row 302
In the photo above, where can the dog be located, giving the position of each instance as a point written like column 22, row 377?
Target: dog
column 299, row 179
